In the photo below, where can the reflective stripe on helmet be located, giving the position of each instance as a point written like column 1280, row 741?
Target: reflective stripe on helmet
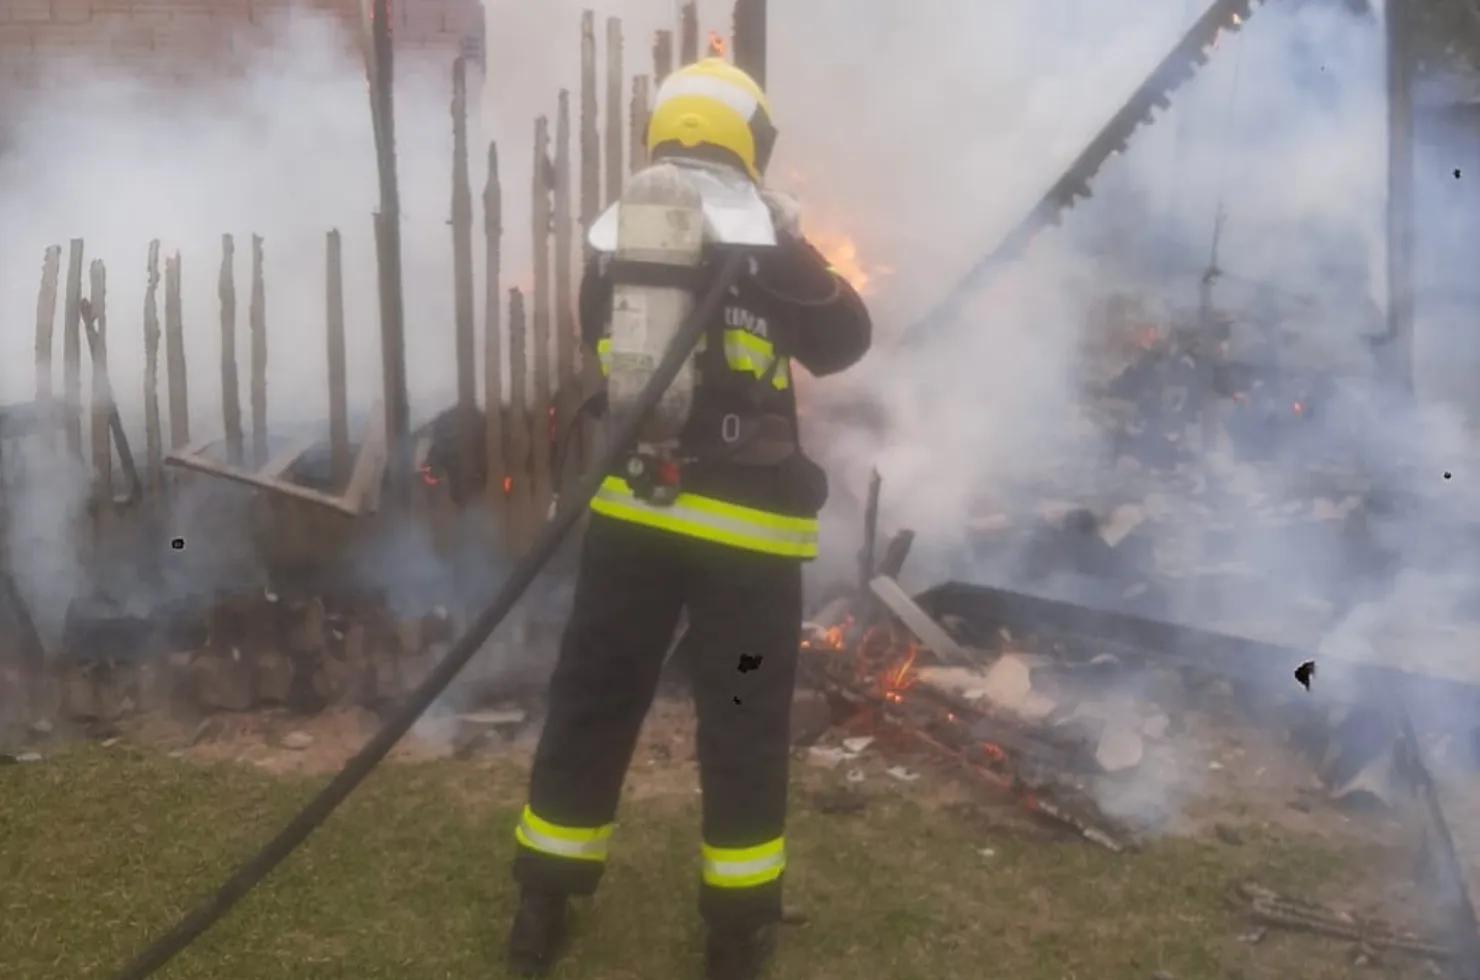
column 713, row 103
column 711, row 520
column 744, row 867
column 579, row 843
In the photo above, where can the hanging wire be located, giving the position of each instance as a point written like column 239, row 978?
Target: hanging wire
column 1220, row 211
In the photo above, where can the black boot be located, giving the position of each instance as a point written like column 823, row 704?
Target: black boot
column 738, row 956
column 538, row 933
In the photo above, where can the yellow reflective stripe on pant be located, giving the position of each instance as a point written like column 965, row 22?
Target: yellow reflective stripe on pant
column 604, row 355
column 744, row 867
column 744, row 351
column 580, row 843
column 711, row 520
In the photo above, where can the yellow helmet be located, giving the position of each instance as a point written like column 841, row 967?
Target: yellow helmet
column 712, row 105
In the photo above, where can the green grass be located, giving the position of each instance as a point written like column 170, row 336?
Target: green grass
column 101, row 849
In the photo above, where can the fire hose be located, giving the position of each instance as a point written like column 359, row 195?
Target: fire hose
column 297, row 830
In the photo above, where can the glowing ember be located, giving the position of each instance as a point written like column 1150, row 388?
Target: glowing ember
column 508, row 484
column 427, row 476
column 829, row 639
column 1298, row 408
column 716, row 45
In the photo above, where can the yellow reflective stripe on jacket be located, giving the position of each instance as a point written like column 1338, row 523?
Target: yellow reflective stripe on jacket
column 580, row 843
column 744, row 867
column 744, row 351
column 711, row 520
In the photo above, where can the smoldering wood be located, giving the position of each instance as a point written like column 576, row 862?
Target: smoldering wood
column 257, row 323
column 388, row 251
column 918, row 621
column 615, row 174
column 231, row 404
column 519, row 431
column 174, row 345
column 462, row 271
column 339, row 461
column 590, row 140
column 688, row 26
column 493, row 339
column 94, row 312
column 72, row 351
column 153, row 438
column 895, row 554
column 105, row 403
column 540, row 211
column 567, row 376
column 749, row 36
column 637, row 123
column 662, row 57
column 46, row 315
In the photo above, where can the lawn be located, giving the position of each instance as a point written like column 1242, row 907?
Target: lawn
column 102, row 848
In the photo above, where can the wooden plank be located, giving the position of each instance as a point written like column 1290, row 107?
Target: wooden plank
column 615, row 175
column 102, row 397
column 493, row 339
column 46, row 315
column 153, row 438
column 103, row 384
column 518, row 436
column 917, row 621
column 174, row 345
column 688, row 25
column 231, row 400
column 540, row 487
column 590, row 145
column 72, row 351
column 275, row 467
column 662, row 57
column 637, row 122
column 462, row 278
column 257, row 323
column 338, row 390
column 866, row 560
column 567, row 336
column 225, row 471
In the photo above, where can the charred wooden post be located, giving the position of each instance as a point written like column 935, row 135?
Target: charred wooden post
column 866, row 559
column 749, row 34
column 338, row 393
column 72, row 351
column 493, row 340
column 46, row 315
column 662, row 57
column 231, row 402
column 638, row 123
column 517, row 483
column 540, row 319
column 257, row 324
column 388, row 253
column 688, row 45
column 1396, row 347
column 614, row 172
column 102, row 398
column 462, row 272
column 567, row 376
column 153, row 438
column 174, row 344
column 590, row 147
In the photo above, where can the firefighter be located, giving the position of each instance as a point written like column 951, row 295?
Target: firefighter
column 729, row 548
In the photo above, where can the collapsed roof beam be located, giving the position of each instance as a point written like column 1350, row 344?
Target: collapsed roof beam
column 1181, row 63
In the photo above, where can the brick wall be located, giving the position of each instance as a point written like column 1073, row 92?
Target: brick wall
column 183, row 40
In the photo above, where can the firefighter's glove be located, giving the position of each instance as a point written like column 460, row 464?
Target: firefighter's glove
column 786, row 212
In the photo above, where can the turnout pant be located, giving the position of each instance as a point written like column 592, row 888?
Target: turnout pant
column 744, row 612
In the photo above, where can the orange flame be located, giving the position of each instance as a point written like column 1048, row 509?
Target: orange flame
column 841, row 252
column 508, row 484
column 716, row 45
